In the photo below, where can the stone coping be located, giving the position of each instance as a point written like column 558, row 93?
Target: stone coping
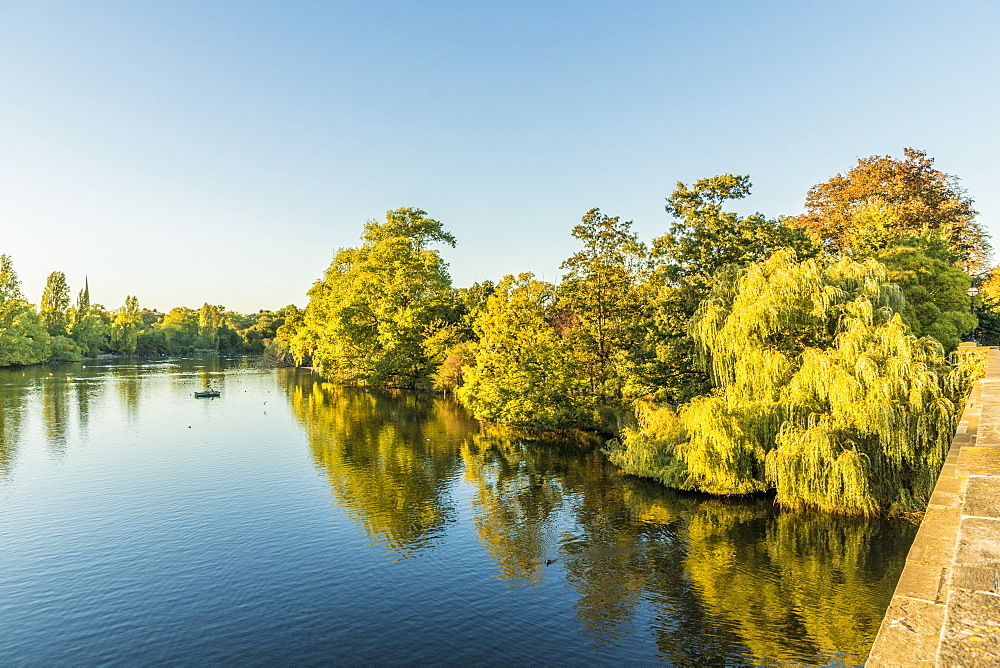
column 946, row 608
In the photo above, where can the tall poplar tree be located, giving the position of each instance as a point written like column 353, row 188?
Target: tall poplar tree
column 209, row 321
column 55, row 304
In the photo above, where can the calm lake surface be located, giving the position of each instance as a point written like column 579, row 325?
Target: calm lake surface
column 296, row 521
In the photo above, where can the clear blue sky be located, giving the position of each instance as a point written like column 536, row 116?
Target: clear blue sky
column 220, row 151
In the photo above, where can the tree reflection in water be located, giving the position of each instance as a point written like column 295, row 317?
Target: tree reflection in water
column 516, row 502
column 56, row 413
column 710, row 579
column 390, row 456
column 11, row 401
column 60, row 397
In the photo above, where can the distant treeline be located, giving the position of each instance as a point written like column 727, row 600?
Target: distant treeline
column 802, row 355
column 65, row 331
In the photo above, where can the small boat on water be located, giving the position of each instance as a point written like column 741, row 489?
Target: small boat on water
column 207, row 394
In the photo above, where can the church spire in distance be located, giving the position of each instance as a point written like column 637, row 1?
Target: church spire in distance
column 83, row 302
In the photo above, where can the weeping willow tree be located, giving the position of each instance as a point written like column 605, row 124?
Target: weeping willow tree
column 821, row 394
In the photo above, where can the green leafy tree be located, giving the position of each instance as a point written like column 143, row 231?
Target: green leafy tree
column 703, row 240
column 293, row 321
column 150, row 317
column 126, row 326
column 23, row 338
column 523, row 372
column 368, row 316
column 704, row 237
column 267, row 323
column 604, row 298
column 473, row 300
column 822, row 394
column 55, row 304
column 987, row 308
column 177, row 332
column 153, row 341
column 264, row 326
column 209, row 322
column 64, row 349
column 229, row 340
column 183, row 318
column 881, row 198
column 447, row 343
column 935, row 289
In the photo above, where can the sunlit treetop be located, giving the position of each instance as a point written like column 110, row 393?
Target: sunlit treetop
column 885, row 197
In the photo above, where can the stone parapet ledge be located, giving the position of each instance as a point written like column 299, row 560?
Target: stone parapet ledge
column 946, row 608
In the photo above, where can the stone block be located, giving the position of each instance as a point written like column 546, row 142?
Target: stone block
column 941, row 499
column 948, row 485
column 909, row 633
column 988, row 433
column 932, row 551
column 979, row 460
column 964, row 439
column 979, row 542
column 990, row 389
column 921, row 581
column 982, row 497
column 939, row 522
column 991, row 411
column 971, row 635
column 978, row 578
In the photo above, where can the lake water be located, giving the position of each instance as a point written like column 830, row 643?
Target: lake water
column 295, row 521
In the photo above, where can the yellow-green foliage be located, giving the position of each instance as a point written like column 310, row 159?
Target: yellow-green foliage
column 369, row 315
column 822, row 394
column 522, row 371
column 23, row 337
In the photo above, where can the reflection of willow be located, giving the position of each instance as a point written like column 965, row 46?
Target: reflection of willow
column 731, row 581
column 389, row 457
column 794, row 585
